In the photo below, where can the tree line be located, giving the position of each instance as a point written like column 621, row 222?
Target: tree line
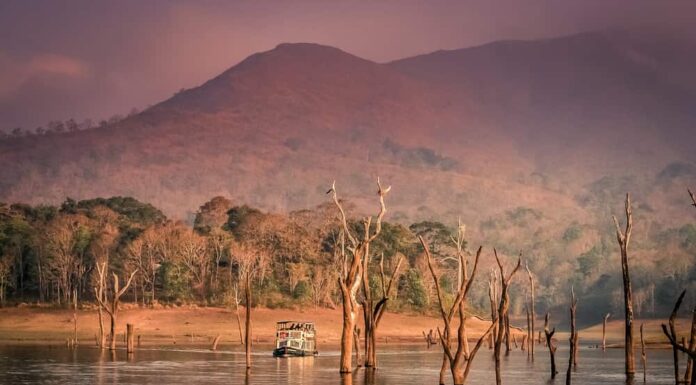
column 55, row 127
column 48, row 252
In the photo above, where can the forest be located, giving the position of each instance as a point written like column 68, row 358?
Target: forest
column 49, row 254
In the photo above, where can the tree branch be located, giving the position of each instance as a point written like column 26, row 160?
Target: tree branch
column 344, row 220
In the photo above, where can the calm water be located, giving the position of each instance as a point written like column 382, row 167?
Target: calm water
column 398, row 365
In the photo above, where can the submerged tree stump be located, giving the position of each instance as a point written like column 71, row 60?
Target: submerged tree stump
column 604, row 331
column 130, row 338
column 215, row 342
column 550, row 344
column 643, row 357
column 573, row 339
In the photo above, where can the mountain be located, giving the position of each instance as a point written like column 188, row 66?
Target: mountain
column 557, row 126
column 610, row 93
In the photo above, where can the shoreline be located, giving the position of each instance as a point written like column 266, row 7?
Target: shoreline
column 198, row 326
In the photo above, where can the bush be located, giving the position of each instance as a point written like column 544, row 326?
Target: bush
column 413, row 290
column 175, row 282
column 302, row 291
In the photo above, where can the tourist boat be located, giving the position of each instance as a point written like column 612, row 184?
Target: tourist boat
column 295, row 339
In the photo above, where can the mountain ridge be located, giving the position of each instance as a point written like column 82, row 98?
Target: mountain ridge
column 274, row 129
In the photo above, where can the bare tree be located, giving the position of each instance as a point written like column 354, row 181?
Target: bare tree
column 372, row 311
column 573, row 339
column 322, row 281
column 61, row 239
column 193, row 252
column 643, row 357
column 247, row 323
column 677, row 346
column 218, row 244
column 250, row 262
column 532, row 314
column 551, row 345
column 690, row 350
column 351, row 275
column 493, row 299
column 237, row 301
column 111, row 307
column 503, row 307
column 461, row 359
column 604, row 331
column 144, row 254
column 99, row 294
column 526, row 344
column 624, row 237
column 74, row 341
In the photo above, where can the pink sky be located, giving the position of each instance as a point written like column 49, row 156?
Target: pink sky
column 92, row 59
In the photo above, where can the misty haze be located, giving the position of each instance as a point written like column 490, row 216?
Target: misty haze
column 353, row 193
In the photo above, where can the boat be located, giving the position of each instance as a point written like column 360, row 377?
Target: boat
column 295, row 339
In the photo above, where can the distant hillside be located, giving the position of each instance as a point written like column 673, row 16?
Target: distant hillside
column 594, row 100
column 476, row 132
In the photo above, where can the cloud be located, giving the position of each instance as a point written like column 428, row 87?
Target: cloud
column 59, row 65
column 16, row 71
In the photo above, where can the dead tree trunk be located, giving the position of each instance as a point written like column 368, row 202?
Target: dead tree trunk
column 576, row 346
column 673, row 331
column 672, row 337
column 523, row 345
column 502, row 311
column 247, row 323
column 130, row 338
column 236, row 310
column 459, row 360
column 526, row 344
column 624, row 238
column 689, row 376
column 356, row 342
column 573, row 337
column 111, row 307
column 215, row 342
column 508, row 345
column 532, row 316
column 604, row 331
column 99, row 294
column 74, row 343
column 549, row 343
column 373, row 312
column 493, row 298
column 643, row 357
column 351, row 274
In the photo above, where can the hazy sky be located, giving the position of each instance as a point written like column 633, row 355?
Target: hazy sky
column 92, row 59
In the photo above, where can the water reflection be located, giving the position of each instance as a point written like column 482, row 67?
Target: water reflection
column 398, row 365
column 346, row 378
column 370, row 376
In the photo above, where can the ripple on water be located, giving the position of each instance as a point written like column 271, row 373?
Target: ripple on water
column 398, row 365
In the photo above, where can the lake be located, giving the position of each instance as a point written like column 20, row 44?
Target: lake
column 399, row 364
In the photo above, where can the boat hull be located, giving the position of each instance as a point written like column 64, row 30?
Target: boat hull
column 292, row 352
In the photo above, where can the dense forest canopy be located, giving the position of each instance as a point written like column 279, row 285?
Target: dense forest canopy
column 48, row 252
